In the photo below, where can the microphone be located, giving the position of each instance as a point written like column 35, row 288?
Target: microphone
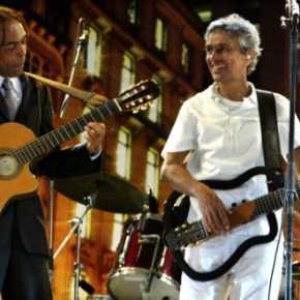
column 82, row 41
column 292, row 8
column 84, row 29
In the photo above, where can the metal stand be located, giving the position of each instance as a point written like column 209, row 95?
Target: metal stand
column 81, row 42
column 76, row 229
column 150, row 239
column 51, row 228
column 291, row 22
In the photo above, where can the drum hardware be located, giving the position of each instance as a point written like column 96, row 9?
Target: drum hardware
column 88, row 288
column 163, row 258
column 150, row 208
column 99, row 297
column 145, row 268
column 156, row 239
column 128, row 231
column 112, row 193
column 76, row 229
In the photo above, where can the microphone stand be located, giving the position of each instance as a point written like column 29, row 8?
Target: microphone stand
column 51, row 228
column 291, row 22
column 76, row 229
column 81, row 42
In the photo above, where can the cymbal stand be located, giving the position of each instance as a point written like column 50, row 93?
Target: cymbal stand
column 149, row 239
column 76, row 229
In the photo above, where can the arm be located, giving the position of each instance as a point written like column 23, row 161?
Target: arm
column 174, row 172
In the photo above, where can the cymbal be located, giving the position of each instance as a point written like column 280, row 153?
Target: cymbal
column 111, row 193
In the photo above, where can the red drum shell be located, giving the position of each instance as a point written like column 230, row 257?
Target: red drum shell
column 145, row 267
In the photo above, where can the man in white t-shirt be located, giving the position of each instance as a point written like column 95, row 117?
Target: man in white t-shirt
column 217, row 135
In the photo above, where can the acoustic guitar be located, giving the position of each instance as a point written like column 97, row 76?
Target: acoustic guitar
column 19, row 146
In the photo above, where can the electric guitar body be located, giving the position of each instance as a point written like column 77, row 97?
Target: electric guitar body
column 179, row 234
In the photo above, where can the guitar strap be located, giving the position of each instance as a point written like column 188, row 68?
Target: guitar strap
column 175, row 215
column 270, row 138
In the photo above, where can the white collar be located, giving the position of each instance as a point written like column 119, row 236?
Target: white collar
column 251, row 99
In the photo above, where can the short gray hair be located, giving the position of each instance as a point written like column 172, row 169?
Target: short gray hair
column 246, row 33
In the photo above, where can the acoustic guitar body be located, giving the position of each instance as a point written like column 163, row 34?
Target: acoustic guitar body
column 16, row 180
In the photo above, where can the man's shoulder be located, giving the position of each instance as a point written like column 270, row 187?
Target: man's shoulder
column 200, row 97
column 277, row 95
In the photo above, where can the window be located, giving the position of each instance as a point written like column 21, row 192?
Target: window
column 94, row 51
column 132, row 11
column 154, row 112
column 123, row 164
column 152, row 172
column 127, row 72
column 205, row 14
column 160, row 34
column 119, row 220
column 185, row 57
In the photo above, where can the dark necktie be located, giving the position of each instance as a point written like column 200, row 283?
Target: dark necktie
column 10, row 102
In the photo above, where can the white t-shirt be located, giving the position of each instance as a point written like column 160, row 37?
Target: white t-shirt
column 225, row 139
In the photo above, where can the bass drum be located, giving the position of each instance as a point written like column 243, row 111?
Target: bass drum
column 145, row 268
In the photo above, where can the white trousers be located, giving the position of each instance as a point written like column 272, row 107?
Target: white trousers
column 256, row 276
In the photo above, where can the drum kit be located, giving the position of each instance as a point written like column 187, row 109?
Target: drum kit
column 144, row 269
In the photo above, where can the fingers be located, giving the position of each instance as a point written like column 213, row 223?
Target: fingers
column 95, row 133
column 215, row 224
column 215, row 215
column 94, row 129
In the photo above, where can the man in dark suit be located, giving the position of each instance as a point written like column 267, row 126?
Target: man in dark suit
column 24, row 253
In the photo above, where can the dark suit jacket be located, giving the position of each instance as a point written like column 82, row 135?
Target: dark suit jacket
column 25, row 215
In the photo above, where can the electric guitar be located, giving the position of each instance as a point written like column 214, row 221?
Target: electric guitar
column 18, row 145
column 184, row 234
